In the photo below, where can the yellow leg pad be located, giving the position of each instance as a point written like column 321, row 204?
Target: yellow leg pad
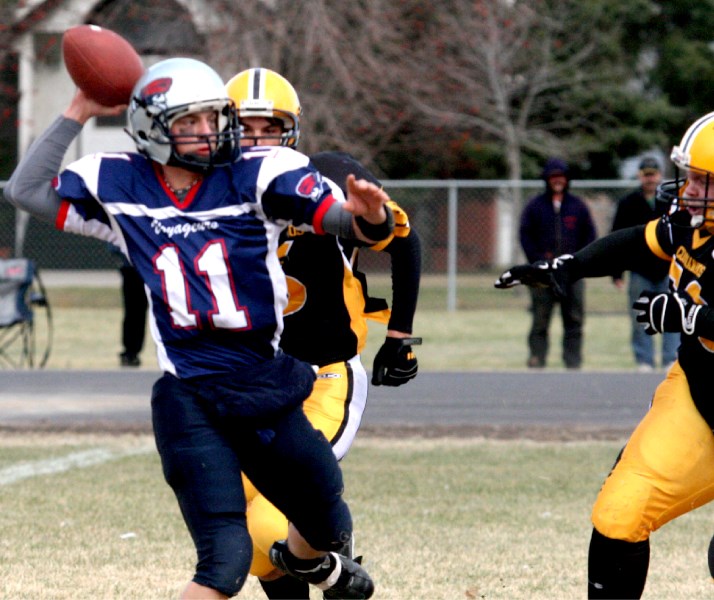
column 666, row 469
column 266, row 524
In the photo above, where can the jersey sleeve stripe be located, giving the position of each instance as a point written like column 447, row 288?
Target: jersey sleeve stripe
column 62, row 215
column 320, row 214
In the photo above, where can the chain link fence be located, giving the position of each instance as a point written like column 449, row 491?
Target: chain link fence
column 466, row 227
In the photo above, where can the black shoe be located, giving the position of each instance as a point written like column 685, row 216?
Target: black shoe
column 345, row 579
column 535, row 362
column 129, row 360
column 353, row 581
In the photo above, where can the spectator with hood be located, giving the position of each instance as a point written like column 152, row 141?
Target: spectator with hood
column 554, row 223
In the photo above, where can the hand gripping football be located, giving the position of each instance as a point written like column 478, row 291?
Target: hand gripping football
column 101, row 63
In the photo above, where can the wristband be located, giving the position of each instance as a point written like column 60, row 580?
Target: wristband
column 378, row 232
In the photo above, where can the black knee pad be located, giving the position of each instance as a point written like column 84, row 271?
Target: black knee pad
column 326, row 528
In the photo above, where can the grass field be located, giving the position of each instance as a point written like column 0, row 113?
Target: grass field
column 90, row 515
column 488, row 331
column 436, row 519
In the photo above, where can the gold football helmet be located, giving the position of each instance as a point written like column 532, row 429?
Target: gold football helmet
column 691, row 193
column 265, row 93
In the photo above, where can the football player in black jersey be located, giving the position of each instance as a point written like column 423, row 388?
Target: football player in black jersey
column 325, row 321
column 666, row 469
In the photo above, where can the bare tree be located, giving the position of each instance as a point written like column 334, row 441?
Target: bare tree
column 337, row 55
column 510, row 69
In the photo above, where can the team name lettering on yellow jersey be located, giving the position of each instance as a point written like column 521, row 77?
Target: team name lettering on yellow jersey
column 689, row 263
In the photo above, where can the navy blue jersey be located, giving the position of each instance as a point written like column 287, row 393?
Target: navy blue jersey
column 209, row 264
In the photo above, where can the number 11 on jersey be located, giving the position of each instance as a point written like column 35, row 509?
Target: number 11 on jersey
column 212, row 265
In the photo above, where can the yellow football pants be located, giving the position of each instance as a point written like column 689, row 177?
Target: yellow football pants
column 335, row 407
column 666, row 468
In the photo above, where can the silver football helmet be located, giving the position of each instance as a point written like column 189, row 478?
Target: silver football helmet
column 172, row 89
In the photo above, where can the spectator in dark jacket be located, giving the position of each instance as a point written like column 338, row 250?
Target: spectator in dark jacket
column 637, row 208
column 553, row 223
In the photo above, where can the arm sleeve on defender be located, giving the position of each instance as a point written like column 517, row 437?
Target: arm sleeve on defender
column 405, row 253
column 30, row 187
column 621, row 250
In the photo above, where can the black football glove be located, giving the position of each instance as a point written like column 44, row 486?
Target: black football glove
column 540, row 274
column 395, row 363
column 660, row 312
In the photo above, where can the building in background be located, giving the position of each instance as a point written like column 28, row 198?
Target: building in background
column 158, row 29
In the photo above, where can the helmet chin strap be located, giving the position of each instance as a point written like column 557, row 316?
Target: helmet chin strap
column 697, row 221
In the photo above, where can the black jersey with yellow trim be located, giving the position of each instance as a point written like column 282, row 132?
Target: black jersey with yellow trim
column 691, row 272
column 690, row 253
column 324, row 319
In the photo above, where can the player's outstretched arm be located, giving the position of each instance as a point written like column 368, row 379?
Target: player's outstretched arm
column 621, row 250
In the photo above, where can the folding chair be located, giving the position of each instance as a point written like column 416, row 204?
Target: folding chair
column 21, row 290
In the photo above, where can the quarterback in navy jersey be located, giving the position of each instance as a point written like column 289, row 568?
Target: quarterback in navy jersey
column 239, row 285
column 201, row 225
column 666, row 469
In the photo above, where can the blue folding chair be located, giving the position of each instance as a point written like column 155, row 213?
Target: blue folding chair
column 22, row 291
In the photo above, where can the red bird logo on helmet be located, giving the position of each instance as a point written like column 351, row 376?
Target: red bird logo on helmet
column 157, row 86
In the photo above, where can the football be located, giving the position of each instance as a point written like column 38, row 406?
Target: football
column 101, row 63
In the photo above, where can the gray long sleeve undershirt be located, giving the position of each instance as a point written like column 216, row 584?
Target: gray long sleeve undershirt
column 338, row 222
column 30, row 187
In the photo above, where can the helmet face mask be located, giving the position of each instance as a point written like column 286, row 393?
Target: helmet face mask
column 267, row 94
column 170, row 90
column 689, row 197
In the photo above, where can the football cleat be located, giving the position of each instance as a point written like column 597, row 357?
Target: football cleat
column 343, row 579
column 352, row 581
column 348, row 551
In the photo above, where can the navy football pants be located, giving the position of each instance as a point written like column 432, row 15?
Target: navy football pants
column 203, row 454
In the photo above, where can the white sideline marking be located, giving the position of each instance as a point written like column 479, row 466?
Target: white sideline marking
column 75, row 460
